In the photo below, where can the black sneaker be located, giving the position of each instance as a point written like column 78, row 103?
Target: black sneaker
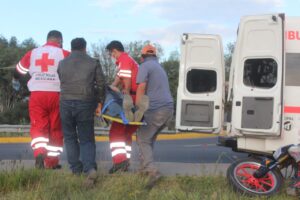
column 120, row 167
column 39, row 162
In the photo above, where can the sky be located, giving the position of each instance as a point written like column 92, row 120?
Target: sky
column 160, row 21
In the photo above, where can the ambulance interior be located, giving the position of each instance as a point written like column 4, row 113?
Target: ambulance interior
column 201, row 81
column 261, row 73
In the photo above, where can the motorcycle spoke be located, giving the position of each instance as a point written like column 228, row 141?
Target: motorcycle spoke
column 245, row 171
column 244, row 174
column 266, row 183
column 247, row 175
column 261, row 187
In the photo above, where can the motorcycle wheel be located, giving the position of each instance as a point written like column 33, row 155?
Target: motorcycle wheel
column 240, row 177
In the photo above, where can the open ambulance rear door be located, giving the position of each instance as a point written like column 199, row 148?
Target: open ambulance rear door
column 200, row 95
column 258, row 76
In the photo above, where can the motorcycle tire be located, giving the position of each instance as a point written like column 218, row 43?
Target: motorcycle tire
column 241, row 179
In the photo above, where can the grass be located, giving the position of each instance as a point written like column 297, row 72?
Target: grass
column 19, row 134
column 58, row 185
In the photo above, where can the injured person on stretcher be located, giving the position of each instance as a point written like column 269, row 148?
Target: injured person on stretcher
column 119, row 108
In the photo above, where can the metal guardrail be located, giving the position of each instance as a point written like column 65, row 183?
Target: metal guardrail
column 26, row 129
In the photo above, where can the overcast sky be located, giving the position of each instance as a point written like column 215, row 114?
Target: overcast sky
column 160, row 21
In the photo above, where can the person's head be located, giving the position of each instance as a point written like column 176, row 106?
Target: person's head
column 78, row 44
column 115, row 49
column 55, row 36
column 148, row 51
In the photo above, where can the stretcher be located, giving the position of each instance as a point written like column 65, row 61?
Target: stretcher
column 113, row 111
column 121, row 121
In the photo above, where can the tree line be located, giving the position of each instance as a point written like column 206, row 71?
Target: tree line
column 13, row 104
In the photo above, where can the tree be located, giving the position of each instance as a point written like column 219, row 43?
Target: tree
column 133, row 48
column 171, row 66
column 228, row 58
column 109, row 69
column 10, row 53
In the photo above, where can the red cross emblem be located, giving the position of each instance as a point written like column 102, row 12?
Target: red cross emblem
column 44, row 62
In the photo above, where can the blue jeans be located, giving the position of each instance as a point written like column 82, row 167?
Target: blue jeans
column 78, row 129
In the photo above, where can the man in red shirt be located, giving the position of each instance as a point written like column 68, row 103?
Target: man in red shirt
column 120, row 135
column 44, row 86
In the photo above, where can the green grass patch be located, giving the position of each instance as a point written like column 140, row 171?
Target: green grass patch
column 37, row 184
column 4, row 134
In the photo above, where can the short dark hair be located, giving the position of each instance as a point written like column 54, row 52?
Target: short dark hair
column 54, row 34
column 78, row 44
column 148, row 55
column 115, row 45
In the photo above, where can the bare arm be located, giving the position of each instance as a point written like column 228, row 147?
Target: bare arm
column 141, row 90
column 116, row 82
column 127, row 85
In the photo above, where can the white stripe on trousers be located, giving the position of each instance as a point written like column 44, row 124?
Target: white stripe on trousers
column 117, row 152
column 39, row 145
column 53, row 154
column 117, row 144
column 39, row 139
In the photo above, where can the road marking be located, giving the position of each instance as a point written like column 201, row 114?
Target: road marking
column 199, row 145
column 179, row 136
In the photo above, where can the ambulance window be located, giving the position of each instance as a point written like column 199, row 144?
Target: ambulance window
column 292, row 69
column 260, row 73
column 201, row 81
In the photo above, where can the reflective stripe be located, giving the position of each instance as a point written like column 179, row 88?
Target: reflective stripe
column 53, row 154
column 53, row 148
column 39, row 139
column 128, row 155
column 128, row 148
column 21, row 68
column 39, row 145
column 125, row 71
column 124, row 75
column 117, row 152
column 117, row 144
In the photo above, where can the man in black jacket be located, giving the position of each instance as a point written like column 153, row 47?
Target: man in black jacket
column 82, row 87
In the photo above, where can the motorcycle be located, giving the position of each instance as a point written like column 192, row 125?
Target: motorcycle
column 262, row 175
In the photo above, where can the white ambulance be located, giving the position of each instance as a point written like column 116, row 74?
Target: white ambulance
column 264, row 86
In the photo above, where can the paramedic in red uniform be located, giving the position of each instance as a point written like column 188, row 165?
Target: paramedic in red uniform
column 44, row 86
column 120, row 135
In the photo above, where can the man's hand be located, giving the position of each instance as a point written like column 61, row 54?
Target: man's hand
column 141, row 90
column 98, row 111
column 125, row 91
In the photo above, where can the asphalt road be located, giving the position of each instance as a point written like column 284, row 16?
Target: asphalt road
column 201, row 150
